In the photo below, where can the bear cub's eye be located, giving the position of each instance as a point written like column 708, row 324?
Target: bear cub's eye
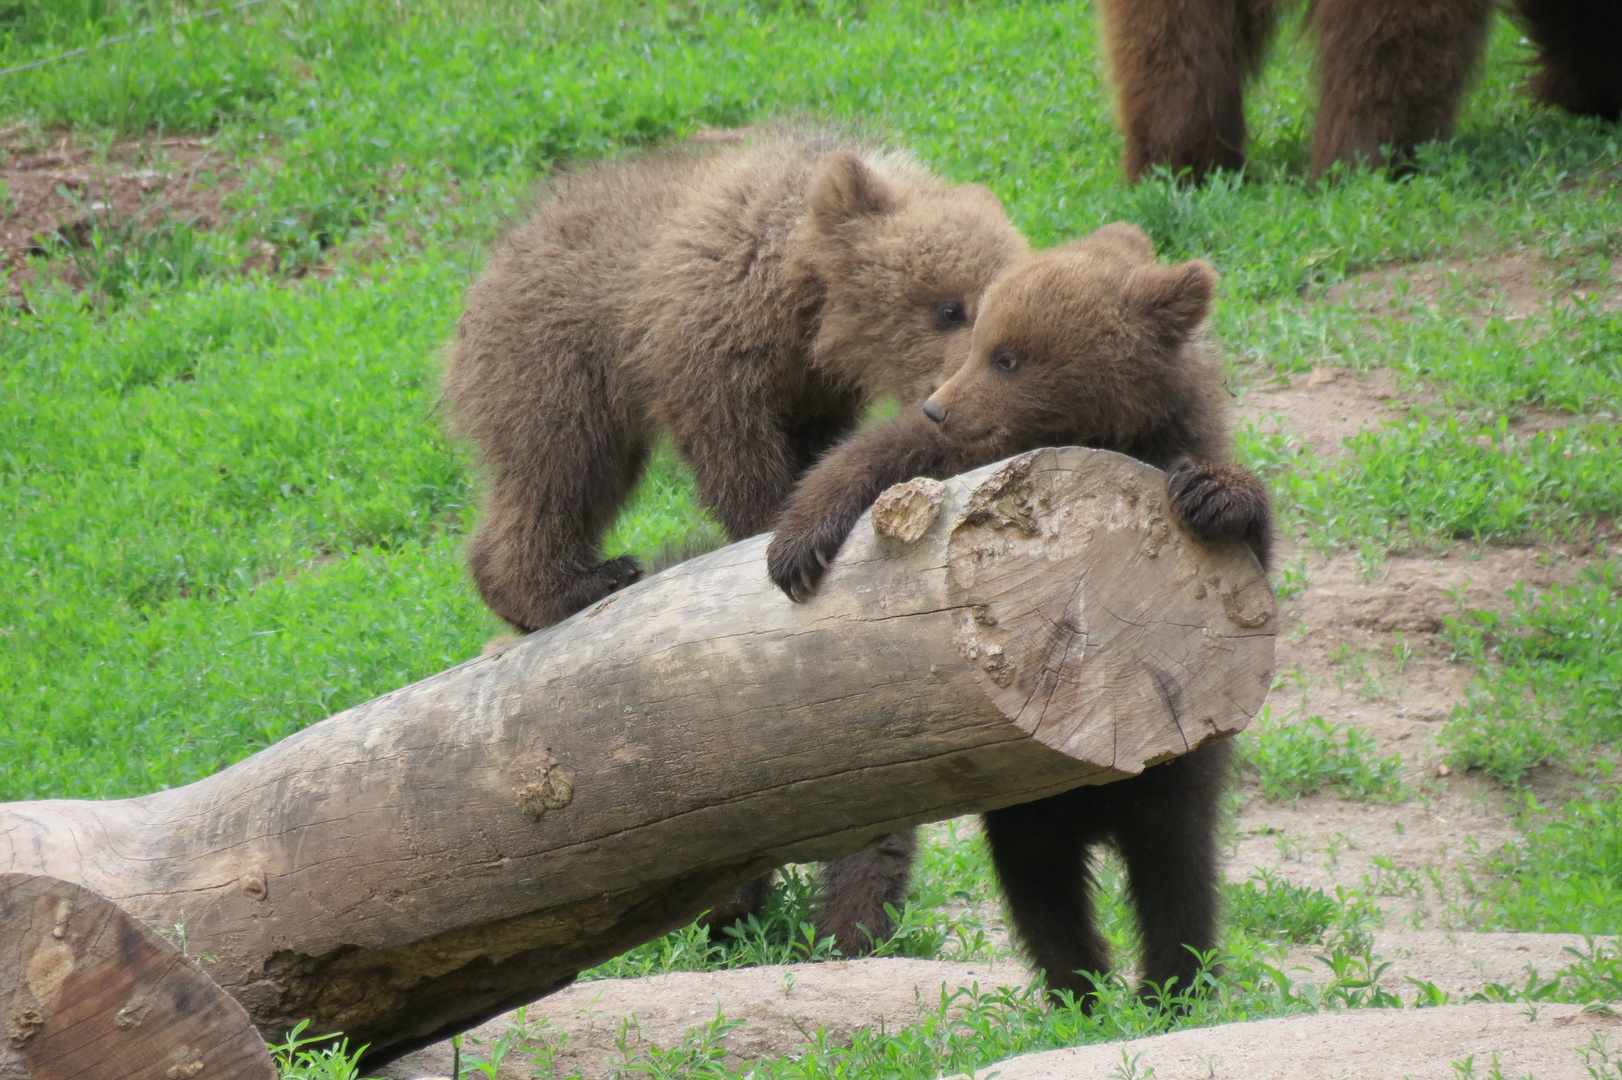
column 951, row 315
column 1005, row 362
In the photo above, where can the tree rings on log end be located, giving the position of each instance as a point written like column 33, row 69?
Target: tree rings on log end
column 89, row 993
column 1162, row 642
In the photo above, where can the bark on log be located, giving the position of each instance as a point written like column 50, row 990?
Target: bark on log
column 407, row 868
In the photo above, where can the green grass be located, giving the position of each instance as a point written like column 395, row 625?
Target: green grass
column 1548, row 687
column 1564, row 872
column 230, row 509
column 188, row 439
column 1291, row 758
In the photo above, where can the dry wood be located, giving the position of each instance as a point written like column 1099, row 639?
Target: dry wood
column 88, row 993
column 409, row 867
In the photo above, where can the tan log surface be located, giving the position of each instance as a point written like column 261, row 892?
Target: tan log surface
column 408, row 867
column 89, row 993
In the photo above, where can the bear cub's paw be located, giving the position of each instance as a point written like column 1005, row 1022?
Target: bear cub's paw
column 616, row 573
column 1217, row 502
column 797, row 561
column 590, row 587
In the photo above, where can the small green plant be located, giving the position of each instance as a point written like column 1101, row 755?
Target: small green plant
column 1291, row 579
column 701, row 1055
column 315, row 1057
column 1268, row 907
column 1466, row 1070
column 116, row 259
column 1295, row 758
column 1563, row 872
column 1132, row 1068
column 1599, row 1060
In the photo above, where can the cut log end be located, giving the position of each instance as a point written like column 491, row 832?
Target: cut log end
column 88, row 993
column 1161, row 642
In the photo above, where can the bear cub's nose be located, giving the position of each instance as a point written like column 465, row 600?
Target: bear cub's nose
column 934, row 412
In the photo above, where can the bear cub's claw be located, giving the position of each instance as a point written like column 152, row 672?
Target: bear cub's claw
column 617, row 573
column 797, row 563
column 1217, row 502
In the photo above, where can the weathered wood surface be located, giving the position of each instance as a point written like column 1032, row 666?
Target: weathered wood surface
column 415, row 864
column 89, row 993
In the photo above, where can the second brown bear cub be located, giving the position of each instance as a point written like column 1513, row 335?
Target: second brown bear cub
column 1091, row 344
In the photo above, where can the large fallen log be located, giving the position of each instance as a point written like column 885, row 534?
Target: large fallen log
column 418, row 863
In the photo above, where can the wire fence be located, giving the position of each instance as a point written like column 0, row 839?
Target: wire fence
column 143, row 32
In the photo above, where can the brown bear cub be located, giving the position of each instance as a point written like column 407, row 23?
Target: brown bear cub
column 748, row 300
column 1091, row 344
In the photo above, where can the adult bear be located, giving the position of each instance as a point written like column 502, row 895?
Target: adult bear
column 1391, row 73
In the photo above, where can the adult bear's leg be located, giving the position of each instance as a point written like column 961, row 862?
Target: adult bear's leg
column 1179, row 68
column 1579, row 44
column 1391, row 74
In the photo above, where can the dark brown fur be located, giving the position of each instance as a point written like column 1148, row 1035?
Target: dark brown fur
column 1092, row 344
column 1391, row 72
column 748, row 300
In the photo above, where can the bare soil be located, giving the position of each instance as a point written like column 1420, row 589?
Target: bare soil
column 1361, row 648
column 59, row 186
column 1555, row 1042
column 1515, row 284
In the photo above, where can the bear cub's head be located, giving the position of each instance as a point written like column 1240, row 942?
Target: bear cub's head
column 903, row 258
column 1092, row 343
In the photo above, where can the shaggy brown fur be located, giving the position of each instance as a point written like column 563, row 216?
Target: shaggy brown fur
column 1180, row 68
column 1093, row 344
column 1578, row 44
column 1391, row 72
column 749, row 300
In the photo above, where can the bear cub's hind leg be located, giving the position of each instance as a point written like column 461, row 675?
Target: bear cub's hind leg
column 1041, row 852
column 858, row 888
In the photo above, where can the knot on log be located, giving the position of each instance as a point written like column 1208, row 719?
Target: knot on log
column 906, row 511
column 543, row 786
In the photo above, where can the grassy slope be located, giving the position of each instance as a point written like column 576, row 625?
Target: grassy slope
column 230, row 510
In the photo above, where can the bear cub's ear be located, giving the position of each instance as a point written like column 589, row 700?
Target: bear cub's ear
column 1175, row 299
column 844, row 188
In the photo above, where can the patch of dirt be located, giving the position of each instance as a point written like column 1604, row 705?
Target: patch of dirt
column 1324, row 407
column 1364, row 1044
column 1367, row 650
column 67, row 188
column 1513, row 284
column 781, row 1009
column 1459, row 963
